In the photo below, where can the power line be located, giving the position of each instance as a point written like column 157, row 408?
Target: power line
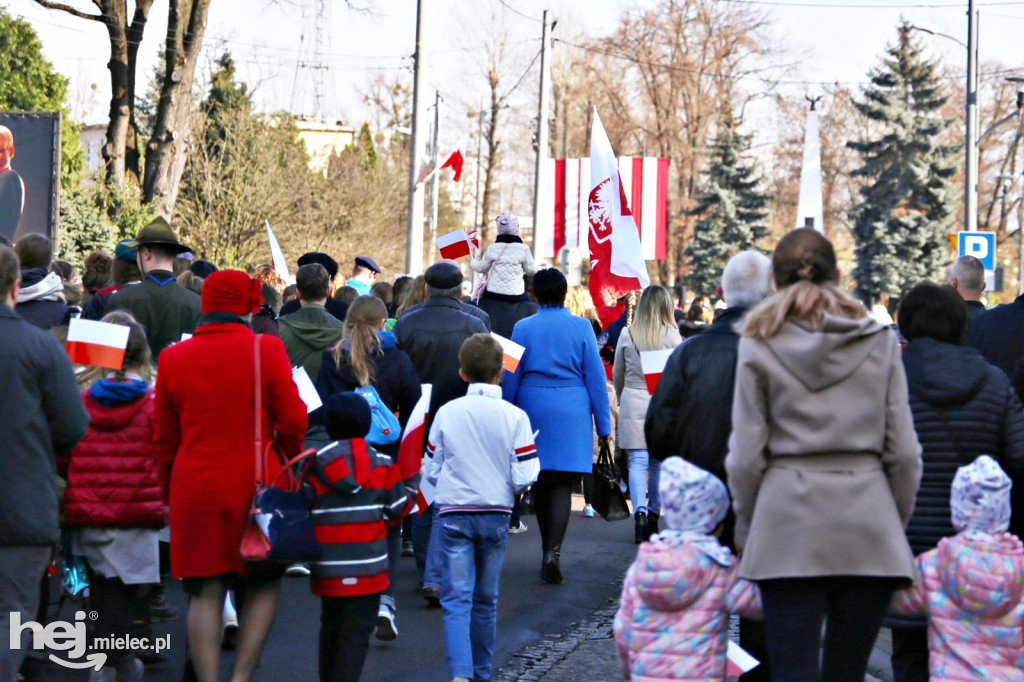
column 515, row 11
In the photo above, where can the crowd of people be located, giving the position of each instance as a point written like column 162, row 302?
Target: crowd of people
column 800, row 464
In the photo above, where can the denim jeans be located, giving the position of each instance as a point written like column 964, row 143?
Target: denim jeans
column 640, row 488
column 426, row 546
column 474, row 549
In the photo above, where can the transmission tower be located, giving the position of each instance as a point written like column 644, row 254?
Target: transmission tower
column 313, row 79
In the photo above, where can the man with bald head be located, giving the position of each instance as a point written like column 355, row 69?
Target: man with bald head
column 967, row 276
column 12, row 188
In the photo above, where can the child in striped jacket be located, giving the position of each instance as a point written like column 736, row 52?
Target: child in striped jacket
column 356, row 489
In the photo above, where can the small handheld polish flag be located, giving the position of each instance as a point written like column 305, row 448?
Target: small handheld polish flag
column 97, row 343
column 738, row 661
column 453, row 245
column 414, row 438
column 306, row 389
column 511, row 353
column 653, row 363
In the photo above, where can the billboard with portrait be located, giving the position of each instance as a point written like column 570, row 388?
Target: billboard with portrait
column 29, row 173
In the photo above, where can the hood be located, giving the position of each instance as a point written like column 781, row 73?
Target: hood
column 344, row 465
column 824, row 357
column 39, row 285
column 313, row 325
column 982, row 575
column 943, row 375
column 113, row 405
column 660, row 580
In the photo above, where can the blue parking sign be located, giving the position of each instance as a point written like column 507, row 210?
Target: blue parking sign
column 981, row 245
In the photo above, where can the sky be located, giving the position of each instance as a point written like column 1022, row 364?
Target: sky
column 826, row 40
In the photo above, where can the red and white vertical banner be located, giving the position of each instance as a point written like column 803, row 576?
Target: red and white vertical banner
column 653, row 364
column 101, row 344
column 562, row 212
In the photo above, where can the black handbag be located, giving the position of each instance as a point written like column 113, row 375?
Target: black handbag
column 607, row 497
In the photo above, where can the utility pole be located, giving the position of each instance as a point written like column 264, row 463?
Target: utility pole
column 544, row 102
column 435, row 184
column 414, row 230
column 971, row 169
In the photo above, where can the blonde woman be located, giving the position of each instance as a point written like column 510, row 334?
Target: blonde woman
column 823, row 466
column 369, row 356
column 653, row 328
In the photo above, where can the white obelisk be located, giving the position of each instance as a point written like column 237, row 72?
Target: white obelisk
column 809, row 210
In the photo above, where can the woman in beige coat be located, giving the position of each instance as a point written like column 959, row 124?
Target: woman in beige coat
column 823, row 466
column 653, row 328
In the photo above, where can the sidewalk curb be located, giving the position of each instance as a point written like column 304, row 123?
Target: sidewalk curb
column 531, row 663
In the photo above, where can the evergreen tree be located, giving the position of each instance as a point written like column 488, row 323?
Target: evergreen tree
column 29, row 82
column 908, row 205
column 85, row 225
column 730, row 205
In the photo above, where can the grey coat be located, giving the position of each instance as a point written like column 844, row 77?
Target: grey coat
column 42, row 415
column 823, row 461
column 631, row 388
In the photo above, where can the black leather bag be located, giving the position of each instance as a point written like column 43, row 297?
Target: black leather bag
column 607, row 497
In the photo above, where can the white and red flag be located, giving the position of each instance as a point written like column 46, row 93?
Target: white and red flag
column 452, row 160
column 616, row 255
column 454, row 245
column 474, row 238
column 738, row 661
column 511, row 353
column 653, row 363
column 97, row 343
column 410, row 451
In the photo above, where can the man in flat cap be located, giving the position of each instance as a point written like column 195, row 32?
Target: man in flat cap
column 339, row 309
column 432, row 335
column 164, row 308
column 364, row 274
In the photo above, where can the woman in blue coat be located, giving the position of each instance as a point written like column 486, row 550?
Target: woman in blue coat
column 561, row 384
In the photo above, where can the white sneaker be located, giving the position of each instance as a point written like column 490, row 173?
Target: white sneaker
column 521, row 528
column 589, row 512
column 297, row 571
column 387, row 631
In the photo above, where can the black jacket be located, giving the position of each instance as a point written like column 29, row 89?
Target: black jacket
column 963, row 407
column 999, row 334
column 165, row 311
column 690, row 413
column 43, row 415
column 505, row 311
column 467, row 308
column 335, row 307
column 432, row 334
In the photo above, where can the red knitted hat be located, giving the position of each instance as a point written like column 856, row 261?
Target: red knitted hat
column 232, row 291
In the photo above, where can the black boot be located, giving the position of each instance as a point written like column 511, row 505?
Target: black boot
column 641, row 527
column 652, row 524
column 549, row 570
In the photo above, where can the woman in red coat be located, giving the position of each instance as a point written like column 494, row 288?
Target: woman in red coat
column 204, row 426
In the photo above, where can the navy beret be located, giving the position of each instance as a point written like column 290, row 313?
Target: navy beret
column 367, row 262
column 323, row 259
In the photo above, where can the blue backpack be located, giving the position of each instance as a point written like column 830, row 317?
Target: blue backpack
column 384, row 426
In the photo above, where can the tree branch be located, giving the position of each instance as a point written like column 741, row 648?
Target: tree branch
column 70, row 10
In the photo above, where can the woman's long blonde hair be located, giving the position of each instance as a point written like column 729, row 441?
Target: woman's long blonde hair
column 362, row 322
column 804, row 265
column 652, row 319
column 417, row 294
column 580, row 303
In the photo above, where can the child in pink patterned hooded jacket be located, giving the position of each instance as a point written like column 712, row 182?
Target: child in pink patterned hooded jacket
column 673, row 619
column 971, row 587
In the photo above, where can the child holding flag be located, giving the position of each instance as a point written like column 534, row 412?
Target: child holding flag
column 479, row 455
column 970, row 586
column 673, row 619
column 506, row 261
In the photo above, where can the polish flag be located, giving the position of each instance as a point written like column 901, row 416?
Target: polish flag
column 410, row 452
column 616, row 255
column 511, row 353
column 653, row 363
column 474, row 238
column 424, row 496
column 453, row 160
column 738, row 661
column 453, row 245
column 97, row 343
column 277, row 255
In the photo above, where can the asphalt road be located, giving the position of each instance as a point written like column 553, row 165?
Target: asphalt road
column 594, row 557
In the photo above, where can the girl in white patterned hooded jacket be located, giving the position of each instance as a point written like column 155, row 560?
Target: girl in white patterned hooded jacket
column 506, row 260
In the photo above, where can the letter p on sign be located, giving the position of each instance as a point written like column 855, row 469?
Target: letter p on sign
column 981, row 245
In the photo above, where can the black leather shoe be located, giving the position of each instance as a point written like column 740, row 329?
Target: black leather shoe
column 640, row 533
column 652, row 525
column 549, row 570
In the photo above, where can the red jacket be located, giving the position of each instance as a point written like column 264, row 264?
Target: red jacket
column 356, row 489
column 112, row 475
column 205, row 423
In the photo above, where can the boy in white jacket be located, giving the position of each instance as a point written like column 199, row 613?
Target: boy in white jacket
column 480, row 453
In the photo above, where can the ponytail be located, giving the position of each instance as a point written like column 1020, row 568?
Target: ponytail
column 805, row 301
column 360, row 341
